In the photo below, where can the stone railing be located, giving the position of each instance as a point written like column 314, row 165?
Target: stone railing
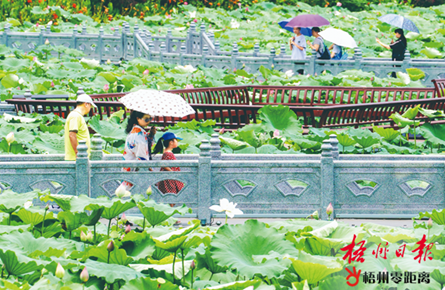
column 200, row 48
column 262, row 185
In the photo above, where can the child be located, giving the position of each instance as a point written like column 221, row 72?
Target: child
column 169, row 141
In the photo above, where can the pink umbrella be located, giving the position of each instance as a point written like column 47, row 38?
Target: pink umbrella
column 308, row 20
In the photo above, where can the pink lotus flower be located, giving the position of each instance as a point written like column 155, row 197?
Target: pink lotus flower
column 128, row 229
column 146, row 72
column 84, row 276
column 123, row 71
column 210, row 25
column 234, row 69
column 276, row 133
column 18, row 88
column 247, row 9
column 329, row 209
column 430, row 223
column 239, row 4
column 124, row 218
column 185, row 3
column 221, row 131
column 34, row 59
column 75, row 25
column 338, row 4
column 168, row 16
column 37, row 25
column 189, row 87
column 195, row 20
column 112, row 28
column 240, row 38
column 389, row 83
column 106, row 87
column 52, row 84
column 372, row 79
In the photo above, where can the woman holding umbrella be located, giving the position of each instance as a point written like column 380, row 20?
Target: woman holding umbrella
column 298, row 44
column 398, row 47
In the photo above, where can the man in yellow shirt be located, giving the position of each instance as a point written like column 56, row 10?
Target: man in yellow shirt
column 76, row 128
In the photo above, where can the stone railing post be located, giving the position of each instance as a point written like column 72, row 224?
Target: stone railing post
column 82, row 170
column 28, row 96
column 80, row 91
column 190, row 36
column 48, row 28
column 272, row 56
column 181, row 54
column 204, row 182
column 205, row 51
column 256, row 49
column 84, row 29
column 41, row 37
column 161, row 52
column 5, row 34
column 215, row 147
column 135, row 41
column 334, row 143
column 234, row 55
column 282, row 51
column 74, row 40
column 168, row 40
column 312, row 64
column 217, row 47
column 100, row 43
column 211, row 36
column 202, row 31
column 358, row 58
column 151, row 48
column 116, row 30
column 96, row 147
column 124, row 41
column 327, row 178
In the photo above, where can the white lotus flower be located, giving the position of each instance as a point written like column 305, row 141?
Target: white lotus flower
column 10, row 138
column 192, row 14
column 27, row 204
column 228, row 207
column 188, row 68
column 288, row 73
column 234, row 24
column 336, row 13
column 122, row 192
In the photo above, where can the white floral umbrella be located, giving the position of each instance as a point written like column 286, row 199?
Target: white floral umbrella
column 157, row 103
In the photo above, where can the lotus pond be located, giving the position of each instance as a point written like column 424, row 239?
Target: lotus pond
column 42, row 249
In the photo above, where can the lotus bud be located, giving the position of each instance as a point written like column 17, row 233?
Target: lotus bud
column 108, row 61
column 44, row 271
column 329, row 209
column 27, row 204
column 430, row 223
column 128, row 229
column 124, row 218
column 121, row 191
column 272, row 66
column 34, row 59
column 47, row 41
column 110, row 246
column 106, row 87
column 276, row 133
column 122, row 237
column 10, row 138
column 146, row 72
column 247, row 9
column 83, row 237
column 60, row 272
column 84, row 276
column 47, row 207
column 123, row 71
column 192, row 265
column 90, row 237
column 195, row 20
column 221, row 131
column 160, row 281
column 314, row 215
column 149, row 191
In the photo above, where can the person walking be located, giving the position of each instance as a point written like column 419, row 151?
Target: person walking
column 138, row 143
column 318, row 45
column 76, row 128
column 169, row 141
column 337, row 52
column 398, row 47
column 298, row 46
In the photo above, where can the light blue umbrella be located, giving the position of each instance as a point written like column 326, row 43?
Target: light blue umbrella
column 399, row 21
column 307, row 31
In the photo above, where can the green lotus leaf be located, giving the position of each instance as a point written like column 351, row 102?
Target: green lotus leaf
column 110, row 77
column 415, row 74
column 411, row 113
column 11, row 201
column 339, row 282
column 111, row 272
column 112, row 208
column 9, row 229
column 300, row 285
column 431, row 52
column 117, row 256
column 433, row 133
column 73, row 65
column 388, row 134
column 437, row 216
column 321, row 246
column 138, row 245
column 236, row 245
column 280, row 118
column 343, row 138
column 53, row 128
column 93, row 217
column 19, row 264
column 34, row 216
column 242, row 285
column 148, row 283
column 305, row 143
column 156, row 213
column 233, row 144
column 72, row 220
column 250, row 138
column 206, row 261
column 163, row 270
column 431, row 113
column 171, row 245
column 14, row 63
column 109, row 131
column 54, row 145
column 62, row 200
column 364, row 137
column 315, row 268
column 10, row 81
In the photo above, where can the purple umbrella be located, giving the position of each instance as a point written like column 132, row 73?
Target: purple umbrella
column 308, row 20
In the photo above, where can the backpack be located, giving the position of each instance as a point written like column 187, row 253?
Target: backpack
column 325, row 54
